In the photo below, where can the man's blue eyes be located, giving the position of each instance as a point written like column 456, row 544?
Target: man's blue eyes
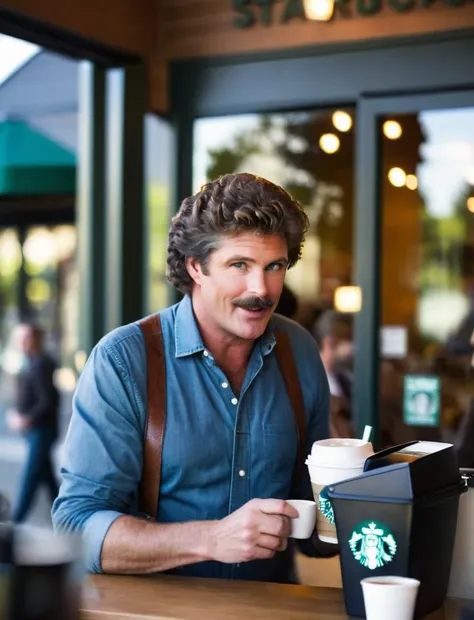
column 272, row 267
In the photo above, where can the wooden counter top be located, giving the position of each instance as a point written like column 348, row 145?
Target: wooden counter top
column 164, row 597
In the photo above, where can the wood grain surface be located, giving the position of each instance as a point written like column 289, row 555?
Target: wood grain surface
column 164, row 597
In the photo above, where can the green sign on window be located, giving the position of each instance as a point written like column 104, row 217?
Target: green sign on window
column 421, row 400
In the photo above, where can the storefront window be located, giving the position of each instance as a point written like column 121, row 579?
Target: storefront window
column 427, row 273
column 39, row 283
column 51, row 286
column 311, row 154
column 158, row 158
column 10, row 264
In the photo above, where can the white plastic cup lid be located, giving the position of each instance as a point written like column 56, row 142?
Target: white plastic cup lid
column 340, row 452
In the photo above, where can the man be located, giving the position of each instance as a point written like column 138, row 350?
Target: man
column 230, row 441
column 36, row 415
column 333, row 333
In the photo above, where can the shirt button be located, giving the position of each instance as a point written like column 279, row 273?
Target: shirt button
column 234, row 401
column 225, row 385
column 242, row 473
column 206, row 353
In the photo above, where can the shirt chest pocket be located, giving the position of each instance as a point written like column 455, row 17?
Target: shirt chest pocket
column 280, row 449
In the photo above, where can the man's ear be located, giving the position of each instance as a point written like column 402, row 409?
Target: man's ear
column 193, row 267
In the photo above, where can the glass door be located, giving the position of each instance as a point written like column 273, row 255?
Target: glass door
column 416, row 266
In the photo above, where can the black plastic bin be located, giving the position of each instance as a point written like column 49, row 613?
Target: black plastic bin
column 399, row 518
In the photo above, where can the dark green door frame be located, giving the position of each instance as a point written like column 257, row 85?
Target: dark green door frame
column 342, row 75
column 91, row 203
column 125, row 238
column 369, row 229
column 111, row 202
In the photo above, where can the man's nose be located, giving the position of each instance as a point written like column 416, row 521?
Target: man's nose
column 257, row 283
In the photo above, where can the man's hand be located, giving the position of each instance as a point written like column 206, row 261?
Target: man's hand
column 17, row 422
column 254, row 532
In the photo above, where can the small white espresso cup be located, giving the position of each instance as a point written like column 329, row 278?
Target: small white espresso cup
column 390, row 597
column 303, row 525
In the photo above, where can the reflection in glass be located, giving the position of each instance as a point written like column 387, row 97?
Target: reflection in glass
column 158, row 155
column 10, row 263
column 38, row 282
column 311, row 154
column 428, row 264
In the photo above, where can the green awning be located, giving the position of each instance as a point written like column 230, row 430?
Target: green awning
column 33, row 164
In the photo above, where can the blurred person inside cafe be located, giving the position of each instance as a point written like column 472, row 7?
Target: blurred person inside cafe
column 333, row 333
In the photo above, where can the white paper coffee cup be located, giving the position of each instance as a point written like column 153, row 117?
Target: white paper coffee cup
column 303, row 525
column 390, row 598
column 330, row 461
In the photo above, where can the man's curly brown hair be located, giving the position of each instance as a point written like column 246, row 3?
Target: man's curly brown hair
column 234, row 203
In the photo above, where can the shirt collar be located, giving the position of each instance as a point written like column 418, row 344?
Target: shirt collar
column 267, row 341
column 188, row 338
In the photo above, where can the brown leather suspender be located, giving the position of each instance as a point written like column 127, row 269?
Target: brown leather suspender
column 156, row 415
column 286, row 362
column 156, row 408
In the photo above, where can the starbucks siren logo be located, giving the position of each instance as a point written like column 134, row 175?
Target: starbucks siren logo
column 325, row 506
column 373, row 545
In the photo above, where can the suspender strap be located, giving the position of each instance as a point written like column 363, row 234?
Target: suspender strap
column 156, row 409
column 156, row 415
column 286, row 362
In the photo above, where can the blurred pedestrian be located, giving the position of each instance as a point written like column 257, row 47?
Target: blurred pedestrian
column 36, row 417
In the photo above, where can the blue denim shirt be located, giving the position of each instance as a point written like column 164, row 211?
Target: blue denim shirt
column 219, row 451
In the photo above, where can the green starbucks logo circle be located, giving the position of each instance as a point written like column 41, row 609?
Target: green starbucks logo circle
column 325, row 506
column 373, row 545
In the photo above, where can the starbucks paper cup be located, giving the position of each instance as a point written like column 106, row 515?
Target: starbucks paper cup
column 330, row 461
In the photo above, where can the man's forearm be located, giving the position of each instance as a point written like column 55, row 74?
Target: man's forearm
column 134, row 546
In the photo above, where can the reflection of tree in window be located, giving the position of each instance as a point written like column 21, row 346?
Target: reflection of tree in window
column 287, row 149
column 10, row 251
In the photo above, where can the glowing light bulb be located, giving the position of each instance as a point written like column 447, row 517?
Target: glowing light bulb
column 392, row 130
column 411, row 182
column 342, row 121
column 348, row 299
column 329, row 143
column 319, row 10
column 397, row 177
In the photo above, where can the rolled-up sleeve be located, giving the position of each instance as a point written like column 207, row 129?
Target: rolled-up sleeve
column 102, row 454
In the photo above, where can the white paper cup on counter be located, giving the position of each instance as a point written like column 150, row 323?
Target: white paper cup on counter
column 390, row 598
column 331, row 461
column 303, row 526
